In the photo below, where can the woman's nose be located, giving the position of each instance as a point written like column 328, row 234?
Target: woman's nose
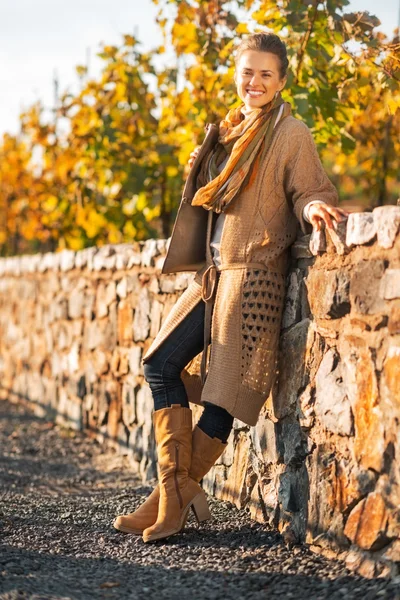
column 255, row 80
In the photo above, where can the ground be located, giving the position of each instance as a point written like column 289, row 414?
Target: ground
column 59, row 494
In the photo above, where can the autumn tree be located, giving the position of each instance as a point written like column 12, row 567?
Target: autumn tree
column 110, row 167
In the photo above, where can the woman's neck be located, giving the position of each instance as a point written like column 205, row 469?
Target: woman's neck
column 247, row 111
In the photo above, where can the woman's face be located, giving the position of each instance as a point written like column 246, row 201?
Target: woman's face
column 257, row 78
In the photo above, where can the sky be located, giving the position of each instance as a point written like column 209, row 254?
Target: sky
column 43, row 38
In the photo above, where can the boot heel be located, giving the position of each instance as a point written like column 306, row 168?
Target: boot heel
column 200, row 507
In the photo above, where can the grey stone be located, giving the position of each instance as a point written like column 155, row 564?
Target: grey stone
column 387, row 221
column 101, row 301
column 390, row 284
column 162, row 245
column 317, row 241
column 305, row 311
column 124, row 286
column 48, row 334
column 76, row 302
column 291, row 442
column 61, row 307
column 228, row 454
column 128, row 404
column 84, row 258
column 134, row 260
column 338, row 235
column 305, row 408
column 89, row 306
column 92, row 335
column 56, row 365
column 155, row 318
column 63, row 337
column 135, row 361
column 110, row 332
column 105, row 258
column 182, row 280
column 360, row 229
column 110, row 293
column 154, row 286
column 292, row 309
column 141, row 321
column 328, row 293
column 144, row 406
column 77, row 328
column 365, row 287
column 90, row 258
column 291, row 365
column 29, row 264
column 123, row 253
column 159, row 263
column 67, row 285
column 301, row 247
column 67, row 260
column 81, row 283
column 263, row 437
column 287, row 496
column 167, row 284
column 341, row 300
column 149, row 252
column 73, row 358
column 332, row 405
column 49, row 261
column 136, row 445
column 100, row 361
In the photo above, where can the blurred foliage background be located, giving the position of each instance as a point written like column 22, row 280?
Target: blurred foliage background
column 115, row 172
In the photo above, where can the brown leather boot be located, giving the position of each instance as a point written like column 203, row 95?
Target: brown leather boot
column 205, row 451
column 178, row 492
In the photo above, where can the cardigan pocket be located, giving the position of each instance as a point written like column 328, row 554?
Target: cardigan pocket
column 262, row 306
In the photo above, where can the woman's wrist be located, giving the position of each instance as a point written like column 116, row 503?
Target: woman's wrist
column 307, row 208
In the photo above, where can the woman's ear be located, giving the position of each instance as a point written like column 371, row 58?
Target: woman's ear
column 283, row 83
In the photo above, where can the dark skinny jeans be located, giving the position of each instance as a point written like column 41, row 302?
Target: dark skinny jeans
column 162, row 372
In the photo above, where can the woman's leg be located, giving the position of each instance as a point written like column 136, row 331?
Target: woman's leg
column 215, row 421
column 163, row 370
column 163, row 373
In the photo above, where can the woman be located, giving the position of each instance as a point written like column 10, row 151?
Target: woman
column 260, row 179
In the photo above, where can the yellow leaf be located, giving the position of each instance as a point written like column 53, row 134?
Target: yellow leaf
column 130, row 230
column 242, row 28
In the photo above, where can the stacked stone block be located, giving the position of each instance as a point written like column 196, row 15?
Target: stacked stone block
column 322, row 463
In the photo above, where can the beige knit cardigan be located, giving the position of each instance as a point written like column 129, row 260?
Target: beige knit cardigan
column 259, row 227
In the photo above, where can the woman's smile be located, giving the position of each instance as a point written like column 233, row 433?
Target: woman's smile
column 255, row 93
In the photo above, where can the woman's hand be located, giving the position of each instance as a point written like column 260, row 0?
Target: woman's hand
column 318, row 213
column 193, row 156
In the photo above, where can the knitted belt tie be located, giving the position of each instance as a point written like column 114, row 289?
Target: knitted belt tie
column 208, row 291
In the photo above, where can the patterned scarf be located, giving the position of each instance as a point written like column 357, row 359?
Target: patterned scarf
column 244, row 139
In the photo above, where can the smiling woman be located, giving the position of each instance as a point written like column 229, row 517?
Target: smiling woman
column 257, row 175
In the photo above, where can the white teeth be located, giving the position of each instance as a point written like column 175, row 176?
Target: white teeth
column 251, row 93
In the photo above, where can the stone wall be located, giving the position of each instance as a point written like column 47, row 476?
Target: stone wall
column 322, row 465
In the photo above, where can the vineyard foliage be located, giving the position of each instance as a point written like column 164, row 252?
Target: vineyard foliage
column 110, row 166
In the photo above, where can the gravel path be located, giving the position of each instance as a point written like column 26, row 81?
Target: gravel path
column 59, row 493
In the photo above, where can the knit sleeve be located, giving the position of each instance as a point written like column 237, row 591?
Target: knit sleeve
column 305, row 179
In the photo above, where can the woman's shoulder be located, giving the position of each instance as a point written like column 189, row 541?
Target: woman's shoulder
column 293, row 126
column 293, row 135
